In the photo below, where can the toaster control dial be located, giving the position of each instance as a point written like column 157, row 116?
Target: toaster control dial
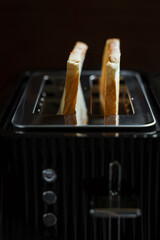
column 49, row 175
column 49, row 197
column 49, row 219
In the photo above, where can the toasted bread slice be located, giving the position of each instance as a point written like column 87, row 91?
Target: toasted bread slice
column 73, row 100
column 110, row 76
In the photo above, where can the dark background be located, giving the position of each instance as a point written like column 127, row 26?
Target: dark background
column 40, row 34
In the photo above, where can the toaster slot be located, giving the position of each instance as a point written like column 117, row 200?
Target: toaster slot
column 49, row 99
column 125, row 102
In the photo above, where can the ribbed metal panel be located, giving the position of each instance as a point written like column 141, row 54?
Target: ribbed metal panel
column 77, row 159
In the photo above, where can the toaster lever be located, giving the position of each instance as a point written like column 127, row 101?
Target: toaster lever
column 113, row 205
column 116, row 212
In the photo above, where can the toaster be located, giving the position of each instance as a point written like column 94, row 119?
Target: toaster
column 93, row 181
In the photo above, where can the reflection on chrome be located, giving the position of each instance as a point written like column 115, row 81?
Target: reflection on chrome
column 111, row 120
column 76, row 119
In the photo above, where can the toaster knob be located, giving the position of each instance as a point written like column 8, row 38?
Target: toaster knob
column 49, row 197
column 49, row 175
column 49, row 219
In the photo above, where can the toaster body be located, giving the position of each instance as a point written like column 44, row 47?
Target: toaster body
column 95, row 181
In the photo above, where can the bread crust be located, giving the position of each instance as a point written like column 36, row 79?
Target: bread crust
column 109, row 80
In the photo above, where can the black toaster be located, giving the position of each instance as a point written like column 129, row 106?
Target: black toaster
column 66, row 181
